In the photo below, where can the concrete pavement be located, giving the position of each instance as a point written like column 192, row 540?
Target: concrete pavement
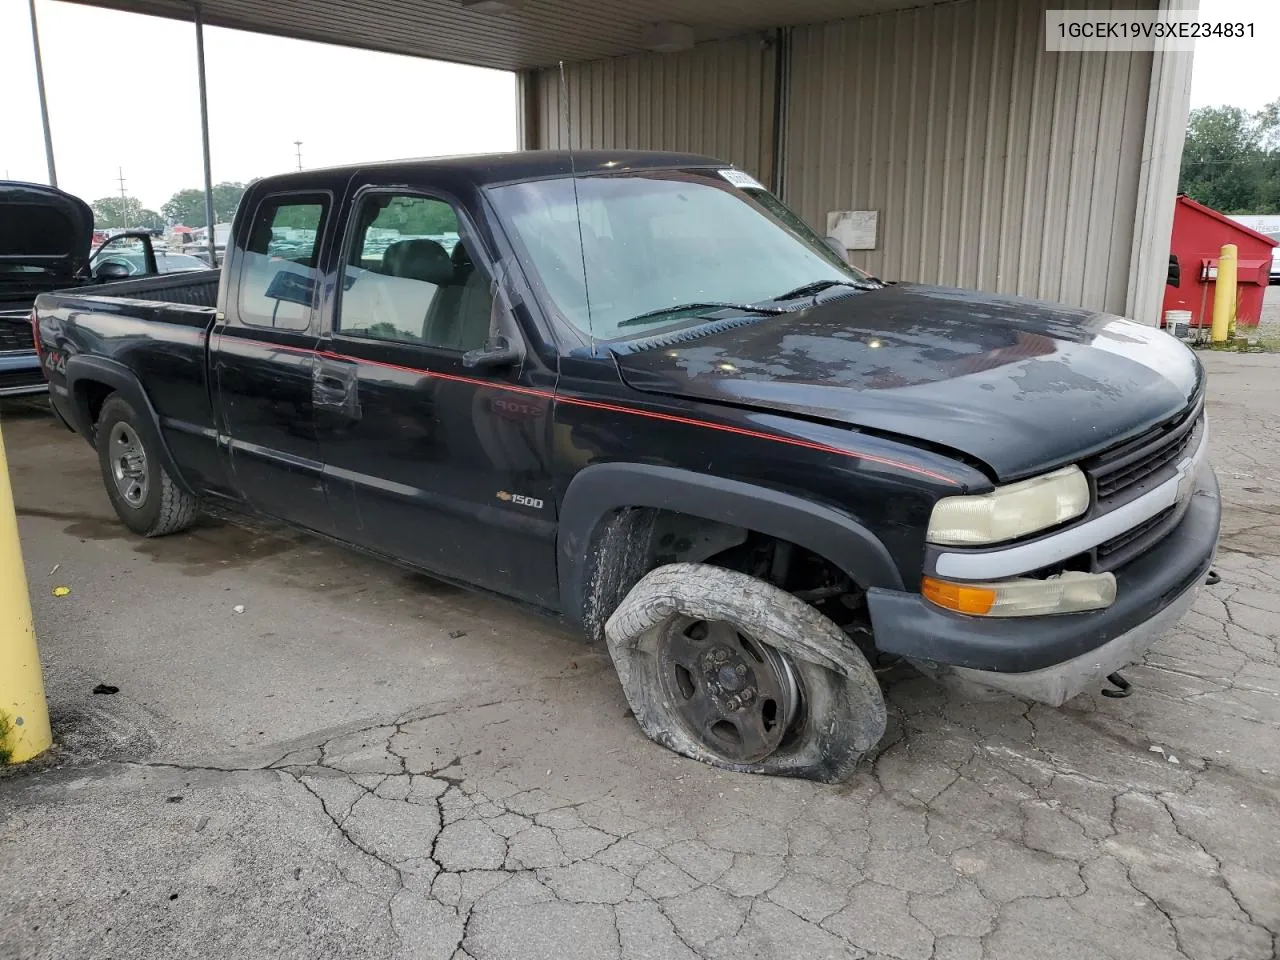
column 365, row 763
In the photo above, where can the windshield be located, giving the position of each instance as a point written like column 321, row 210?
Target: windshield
column 656, row 240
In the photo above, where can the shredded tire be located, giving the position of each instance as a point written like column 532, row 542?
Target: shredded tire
column 167, row 508
column 843, row 713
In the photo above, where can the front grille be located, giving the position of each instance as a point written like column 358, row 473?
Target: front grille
column 1132, row 463
column 15, row 336
column 21, row 381
column 1110, row 551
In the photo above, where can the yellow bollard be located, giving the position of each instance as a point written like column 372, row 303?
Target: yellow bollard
column 24, row 715
column 1224, row 294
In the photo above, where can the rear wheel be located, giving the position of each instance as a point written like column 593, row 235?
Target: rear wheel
column 145, row 497
column 733, row 671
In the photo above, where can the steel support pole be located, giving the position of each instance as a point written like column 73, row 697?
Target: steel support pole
column 204, row 138
column 781, row 108
column 44, row 103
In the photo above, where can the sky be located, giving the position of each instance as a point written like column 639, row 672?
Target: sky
column 123, row 96
column 123, row 93
column 1238, row 73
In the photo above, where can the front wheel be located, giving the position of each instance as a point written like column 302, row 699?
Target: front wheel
column 145, row 497
column 738, row 673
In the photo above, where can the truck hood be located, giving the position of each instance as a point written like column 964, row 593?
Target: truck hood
column 1020, row 385
column 44, row 236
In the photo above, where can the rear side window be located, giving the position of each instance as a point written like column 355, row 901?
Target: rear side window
column 278, row 276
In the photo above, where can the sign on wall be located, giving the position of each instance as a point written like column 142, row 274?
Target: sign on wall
column 856, row 229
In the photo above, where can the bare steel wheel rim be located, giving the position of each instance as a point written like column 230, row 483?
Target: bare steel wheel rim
column 128, row 461
column 734, row 694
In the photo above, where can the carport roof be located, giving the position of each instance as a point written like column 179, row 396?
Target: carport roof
column 534, row 33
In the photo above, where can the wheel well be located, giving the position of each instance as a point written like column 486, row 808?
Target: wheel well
column 634, row 540
column 90, row 396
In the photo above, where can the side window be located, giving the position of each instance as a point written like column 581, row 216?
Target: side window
column 411, row 278
column 278, row 275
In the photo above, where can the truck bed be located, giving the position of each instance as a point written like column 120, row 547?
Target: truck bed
column 186, row 299
column 154, row 332
column 196, row 289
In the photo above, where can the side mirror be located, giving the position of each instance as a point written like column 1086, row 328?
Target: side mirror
column 838, row 248
column 112, row 270
column 497, row 352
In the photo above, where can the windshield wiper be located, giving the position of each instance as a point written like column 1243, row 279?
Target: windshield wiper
column 817, row 286
column 662, row 312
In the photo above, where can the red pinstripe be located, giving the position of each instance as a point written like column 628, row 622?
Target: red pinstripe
column 611, row 408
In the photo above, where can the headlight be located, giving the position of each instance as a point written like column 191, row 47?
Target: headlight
column 1069, row 592
column 1010, row 512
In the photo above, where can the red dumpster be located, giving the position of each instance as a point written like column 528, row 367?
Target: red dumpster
column 1198, row 235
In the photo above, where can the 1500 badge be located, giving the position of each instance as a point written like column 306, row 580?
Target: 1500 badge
column 519, row 499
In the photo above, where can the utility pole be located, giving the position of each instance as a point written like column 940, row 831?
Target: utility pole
column 44, row 103
column 124, row 203
column 204, row 136
column 298, row 144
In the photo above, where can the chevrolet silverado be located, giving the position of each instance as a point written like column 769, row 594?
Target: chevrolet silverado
column 636, row 391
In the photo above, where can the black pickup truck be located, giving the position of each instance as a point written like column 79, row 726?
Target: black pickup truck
column 635, row 390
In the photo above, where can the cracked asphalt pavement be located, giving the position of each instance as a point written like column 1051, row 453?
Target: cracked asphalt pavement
column 368, row 764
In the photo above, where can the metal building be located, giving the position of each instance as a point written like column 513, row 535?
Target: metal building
column 989, row 162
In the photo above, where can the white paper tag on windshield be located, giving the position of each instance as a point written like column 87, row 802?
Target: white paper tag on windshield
column 742, row 180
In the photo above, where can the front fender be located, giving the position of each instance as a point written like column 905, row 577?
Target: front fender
column 600, row 490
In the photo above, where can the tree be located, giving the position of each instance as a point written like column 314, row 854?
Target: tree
column 413, row 216
column 187, row 206
column 107, row 214
column 1231, row 159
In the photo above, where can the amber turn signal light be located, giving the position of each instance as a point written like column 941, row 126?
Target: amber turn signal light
column 960, row 597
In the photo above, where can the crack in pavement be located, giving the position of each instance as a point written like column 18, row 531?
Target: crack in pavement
column 998, row 824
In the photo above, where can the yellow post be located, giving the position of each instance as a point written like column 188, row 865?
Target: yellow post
column 1224, row 293
column 24, row 715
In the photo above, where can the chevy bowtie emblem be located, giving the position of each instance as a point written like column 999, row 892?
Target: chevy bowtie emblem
column 503, row 495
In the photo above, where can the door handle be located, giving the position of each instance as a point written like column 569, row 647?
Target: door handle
column 336, row 388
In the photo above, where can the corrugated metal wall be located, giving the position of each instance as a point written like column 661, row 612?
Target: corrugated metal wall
column 716, row 99
column 993, row 164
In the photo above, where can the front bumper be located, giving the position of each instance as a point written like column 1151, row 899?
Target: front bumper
column 1053, row 658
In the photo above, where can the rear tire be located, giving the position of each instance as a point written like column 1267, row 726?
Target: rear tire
column 144, row 495
column 720, row 633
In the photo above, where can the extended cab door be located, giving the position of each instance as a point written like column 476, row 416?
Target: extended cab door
column 429, row 459
column 263, row 357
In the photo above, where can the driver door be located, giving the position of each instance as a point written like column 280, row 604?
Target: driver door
column 432, row 461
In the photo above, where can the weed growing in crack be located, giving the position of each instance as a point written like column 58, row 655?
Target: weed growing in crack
column 6, row 728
